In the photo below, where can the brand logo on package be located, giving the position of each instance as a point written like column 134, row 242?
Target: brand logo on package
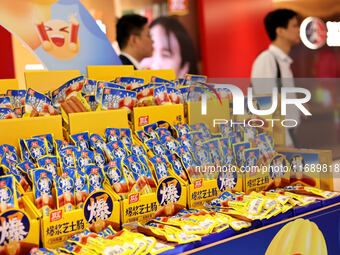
column 14, row 225
column 133, row 198
column 144, row 120
column 226, row 180
column 56, row 215
column 169, row 191
column 198, row 183
column 313, row 33
column 98, row 207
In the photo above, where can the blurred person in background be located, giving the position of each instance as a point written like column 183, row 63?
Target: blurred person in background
column 283, row 29
column 173, row 47
column 134, row 40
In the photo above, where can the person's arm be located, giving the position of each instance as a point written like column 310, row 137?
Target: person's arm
column 263, row 73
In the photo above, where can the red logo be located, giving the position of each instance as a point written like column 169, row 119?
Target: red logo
column 2, row 184
column 56, row 215
column 43, row 175
column 94, row 170
column 34, row 144
column 112, row 132
column 158, row 160
column 48, row 161
column 115, row 145
column 101, row 85
column 31, row 92
column 80, row 137
column 133, row 198
column 68, row 151
column 5, row 149
column 198, row 183
column 144, row 120
column 107, row 91
column 113, row 163
column 84, row 154
column 9, row 93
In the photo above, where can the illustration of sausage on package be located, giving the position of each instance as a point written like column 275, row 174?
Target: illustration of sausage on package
column 65, row 191
column 118, row 99
column 37, row 104
column 43, row 182
column 8, row 193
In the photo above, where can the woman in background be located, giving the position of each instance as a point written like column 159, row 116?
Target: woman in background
column 173, row 48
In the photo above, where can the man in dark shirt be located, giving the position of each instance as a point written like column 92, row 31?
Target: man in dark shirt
column 134, row 39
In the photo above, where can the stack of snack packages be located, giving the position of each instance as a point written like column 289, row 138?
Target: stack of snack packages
column 83, row 95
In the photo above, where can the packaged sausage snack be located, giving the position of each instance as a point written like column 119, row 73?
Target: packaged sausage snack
column 8, row 194
column 112, row 134
column 160, row 167
column 81, row 188
column 9, row 152
column 65, row 191
column 84, row 158
column 10, row 167
column 37, row 104
column 67, row 157
column 126, row 135
column 89, row 88
column 49, row 141
column 7, row 113
column 49, row 163
column 37, row 147
column 95, row 177
column 118, row 99
column 81, row 140
column 17, row 97
column 117, row 150
column 100, row 87
column 42, row 188
column 116, row 176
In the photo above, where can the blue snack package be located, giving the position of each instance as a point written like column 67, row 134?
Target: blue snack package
column 37, row 147
column 190, row 79
column 100, row 87
column 84, row 158
column 67, row 157
column 43, row 182
column 112, row 134
column 89, row 88
column 196, row 138
column 92, row 102
column 174, row 95
column 118, row 99
column 50, row 144
column 238, row 149
column 132, row 81
column 202, row 155
column 177, row 166
column 81, row 140
column 9, row 152
column 126, row 136
column 25, row 155
column 251, row 157
column 99, row 158
column 38, row 103
column 81, row 188
column 7, row 113
column 136, row 168
column 224, row 143
column 17, row 97
column 215, row 151
column 59, row 95
column 150, row 130
column 162, row 132
column 185, row 140
column 225, row 129
column 164, row 81
column 10, row 167
column 184, row 94
column 116, row 150
column 8, row 195
column 65, row 191
column 160, row 167
column 160, row 96
column 49, row 163
column 186, row 157
column 5, row 102
column 58, row 145
column 202, row 127
column 170, row 143
column 249, row 134
column 95, row 177
column 149, row 178
column 137, row 150
column 144, row 95
column 228, row 156
column 182, row 129
column 142, row 135
column 26, row 167
column 115, row 175
column 156, row 147
column 97, row 142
